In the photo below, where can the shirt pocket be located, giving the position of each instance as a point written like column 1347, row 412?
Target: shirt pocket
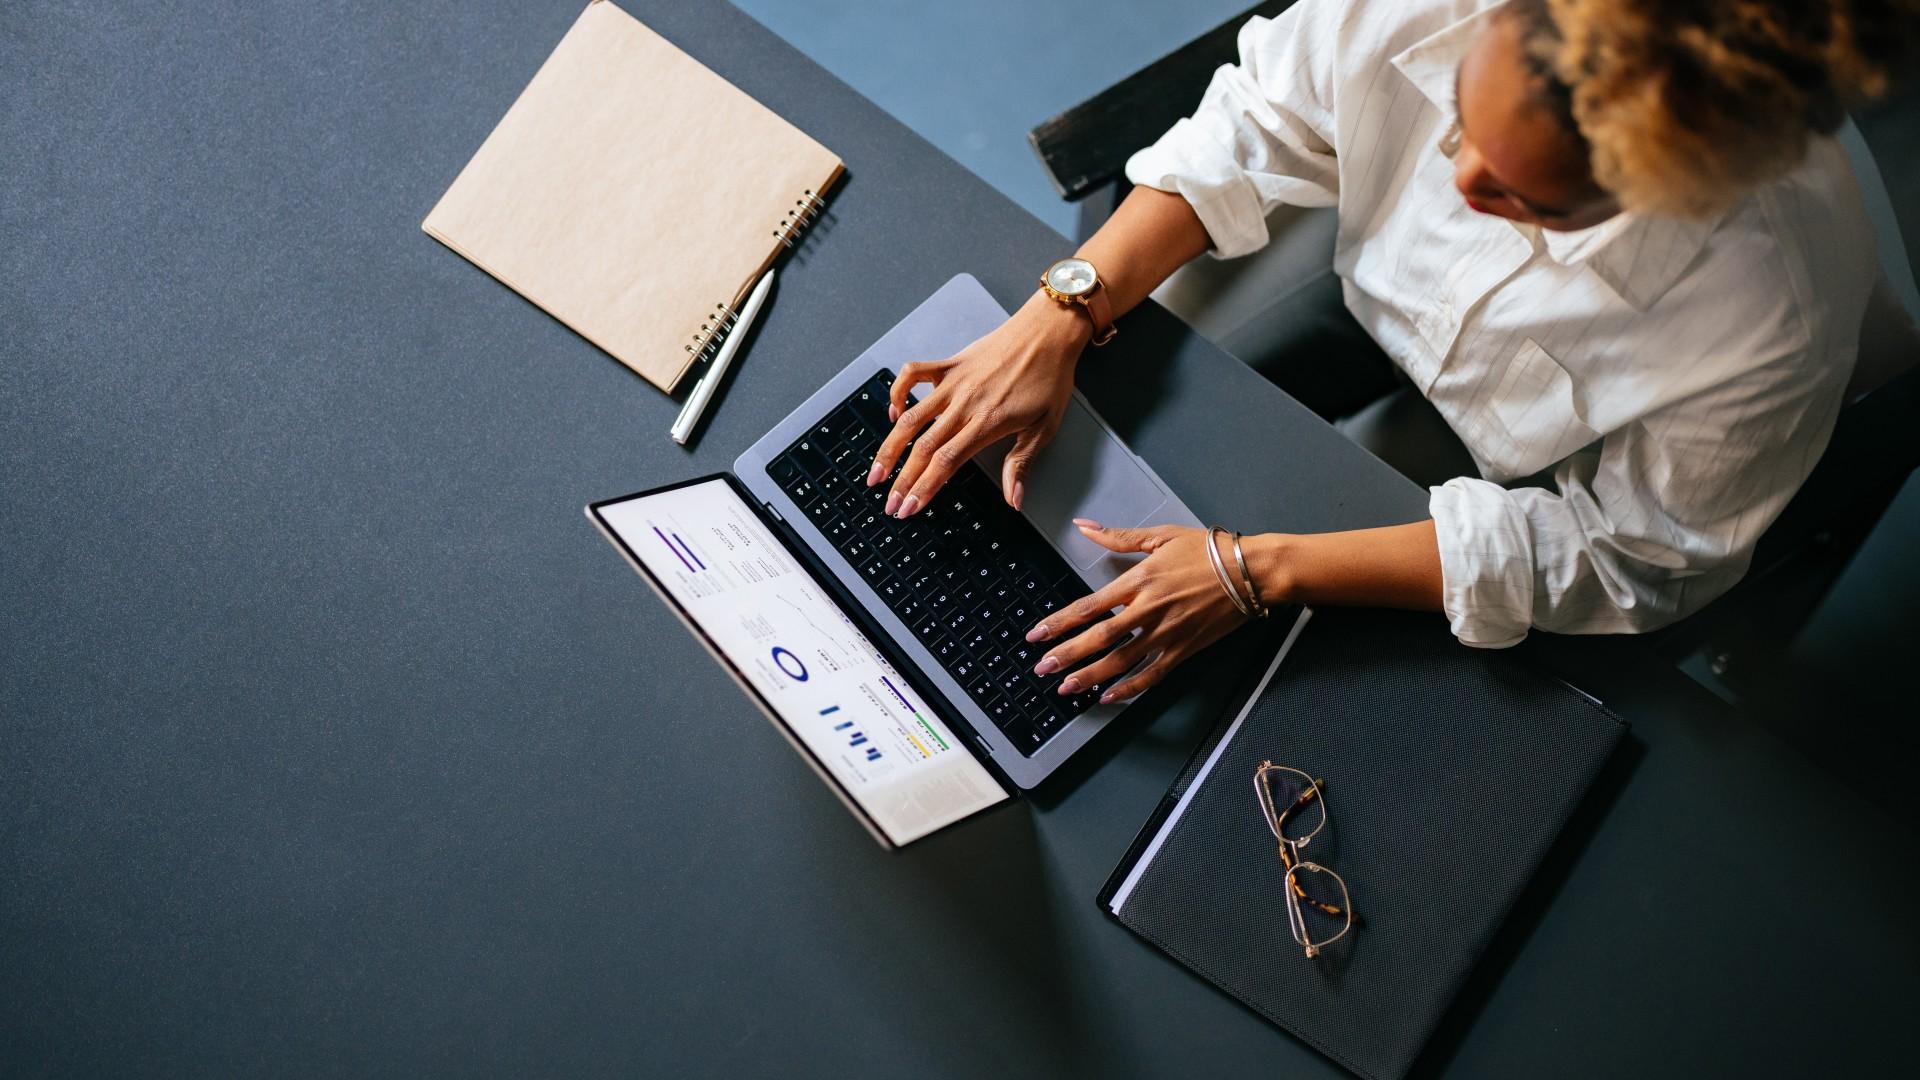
column 1538, row 415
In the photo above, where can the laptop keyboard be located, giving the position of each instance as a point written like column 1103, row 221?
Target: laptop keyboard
column 967, row 574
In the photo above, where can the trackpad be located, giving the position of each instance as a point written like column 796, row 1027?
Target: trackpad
column 1084, row 472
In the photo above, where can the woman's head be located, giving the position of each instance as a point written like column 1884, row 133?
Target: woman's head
column 1572, row 109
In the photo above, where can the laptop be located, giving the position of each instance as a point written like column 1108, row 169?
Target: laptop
column 892, row 654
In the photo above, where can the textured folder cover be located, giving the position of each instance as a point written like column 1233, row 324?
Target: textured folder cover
column 634, row 194
column 1449, row 772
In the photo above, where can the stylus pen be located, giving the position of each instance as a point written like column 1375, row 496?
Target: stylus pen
column 703, row 390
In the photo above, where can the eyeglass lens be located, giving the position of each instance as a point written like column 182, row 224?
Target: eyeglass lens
column 1300, row 809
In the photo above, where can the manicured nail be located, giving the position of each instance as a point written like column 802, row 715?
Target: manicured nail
column 1071, row 685
column 893, row 503
column 907, row 508
column 1047, row 666
column 893, row 414
column 1019, row 493
column 1039, row 633
column 876, row 474
column 1109, row 698
column 1088, row 523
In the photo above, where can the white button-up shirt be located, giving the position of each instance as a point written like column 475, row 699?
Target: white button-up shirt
column 1685, row 376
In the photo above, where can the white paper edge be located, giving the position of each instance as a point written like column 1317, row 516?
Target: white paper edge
column 1153, row 848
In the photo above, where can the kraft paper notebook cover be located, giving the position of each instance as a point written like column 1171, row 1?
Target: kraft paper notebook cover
column 634, row 195
column 1449, row 773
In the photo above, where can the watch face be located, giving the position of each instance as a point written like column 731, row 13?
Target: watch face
column 1071, row 277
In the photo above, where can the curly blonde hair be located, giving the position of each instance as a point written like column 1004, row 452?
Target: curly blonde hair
column 1686, row 105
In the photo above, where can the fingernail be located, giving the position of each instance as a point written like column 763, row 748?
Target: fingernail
column 1109, row 698
column 893, row 503
column 1088, row 523
column 1039, row 633
column 876, row 474
column 907, row 508
column 1070, row 685
column 1019, row 493
column 893, row 414
column 1047, row 666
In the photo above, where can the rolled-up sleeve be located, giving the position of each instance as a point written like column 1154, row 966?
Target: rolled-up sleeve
column 1263, row 134
column 1660, row 520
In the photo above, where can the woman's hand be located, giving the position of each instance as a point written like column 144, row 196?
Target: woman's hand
column 1172, row 598
column 1015, row 381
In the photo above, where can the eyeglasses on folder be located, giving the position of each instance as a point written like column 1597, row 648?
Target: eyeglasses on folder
column 1319, row 912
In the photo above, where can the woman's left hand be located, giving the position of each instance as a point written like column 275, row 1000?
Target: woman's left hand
column 1172, row 597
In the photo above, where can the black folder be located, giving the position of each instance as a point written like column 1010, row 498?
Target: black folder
column 1448, row 773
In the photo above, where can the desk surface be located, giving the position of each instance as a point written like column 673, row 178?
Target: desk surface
column 333, row 739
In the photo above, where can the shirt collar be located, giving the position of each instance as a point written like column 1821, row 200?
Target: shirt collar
column 1618, row 249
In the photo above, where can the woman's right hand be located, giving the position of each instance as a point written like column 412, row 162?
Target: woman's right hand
column 1015, row 381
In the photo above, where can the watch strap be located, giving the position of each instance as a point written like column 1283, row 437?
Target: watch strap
column 1100, row 310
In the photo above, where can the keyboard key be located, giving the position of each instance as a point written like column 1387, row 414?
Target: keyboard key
column 870, row 405
column 1003, row 712
column 802, row 491
column 1020, row 732
column 809, row 458
column 1025, row 655
column 1012, row 683
column 975, row 640
column 874, row 569
column 982, row 688
column 906, row 561
column 783, row 471
column 925, row 627
column 910, row 607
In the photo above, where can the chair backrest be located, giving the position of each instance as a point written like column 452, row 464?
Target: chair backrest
column 1890, row 330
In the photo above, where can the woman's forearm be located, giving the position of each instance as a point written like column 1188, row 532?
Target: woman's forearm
column 1150, row 236
column 1397, row 566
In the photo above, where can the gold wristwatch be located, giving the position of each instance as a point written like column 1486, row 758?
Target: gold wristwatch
column 1075, row 281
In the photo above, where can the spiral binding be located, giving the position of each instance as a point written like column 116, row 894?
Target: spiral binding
column 795, row 221
column 712, row 332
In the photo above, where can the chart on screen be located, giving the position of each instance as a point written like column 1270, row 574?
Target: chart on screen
column 793, row 644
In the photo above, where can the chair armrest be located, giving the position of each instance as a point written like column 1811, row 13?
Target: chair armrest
column 1088, row 145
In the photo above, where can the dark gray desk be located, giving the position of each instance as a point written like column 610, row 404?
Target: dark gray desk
column 333, row 740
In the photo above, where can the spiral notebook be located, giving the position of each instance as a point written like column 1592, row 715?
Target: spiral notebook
column 634, row 195
column 1449, row 773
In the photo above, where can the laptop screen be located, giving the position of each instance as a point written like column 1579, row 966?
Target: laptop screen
column 789, row 640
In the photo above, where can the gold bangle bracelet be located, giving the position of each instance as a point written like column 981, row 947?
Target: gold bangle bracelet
column 1220, row 569
column 1253, row 594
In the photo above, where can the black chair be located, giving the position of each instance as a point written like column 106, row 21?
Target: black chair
column 1876, row 443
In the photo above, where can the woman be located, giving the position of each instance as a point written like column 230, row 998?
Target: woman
column 1601, row 236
